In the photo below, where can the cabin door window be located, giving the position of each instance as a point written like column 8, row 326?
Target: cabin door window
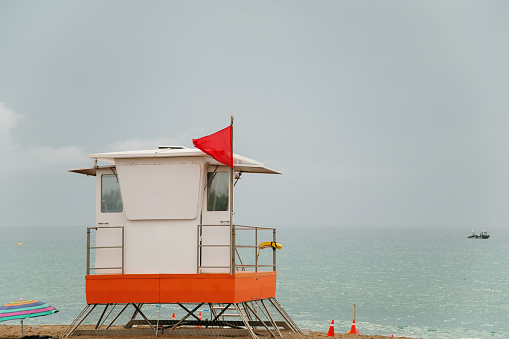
column 111, row 200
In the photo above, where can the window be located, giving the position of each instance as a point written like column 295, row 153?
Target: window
column 111, row 200
column 218, row 191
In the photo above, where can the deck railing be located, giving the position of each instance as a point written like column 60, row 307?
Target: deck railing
column 95, row 248
column 239, row 250
column 237, row 243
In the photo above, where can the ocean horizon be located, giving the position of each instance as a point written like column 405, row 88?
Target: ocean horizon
column 421, row 282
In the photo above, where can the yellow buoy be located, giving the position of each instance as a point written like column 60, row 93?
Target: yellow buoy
column 272, row 244
column 19, row 244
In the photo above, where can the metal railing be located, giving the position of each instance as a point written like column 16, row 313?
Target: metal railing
column 235, row 260
column 95, row 248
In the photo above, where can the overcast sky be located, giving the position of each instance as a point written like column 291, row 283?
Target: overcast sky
column 378, row 112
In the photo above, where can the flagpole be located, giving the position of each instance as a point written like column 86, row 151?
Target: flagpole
column 232, row 227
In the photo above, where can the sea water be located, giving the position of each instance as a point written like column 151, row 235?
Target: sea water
column 417, row 282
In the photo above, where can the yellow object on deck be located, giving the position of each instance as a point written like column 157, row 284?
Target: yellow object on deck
column 271, row 244
column 266, row 244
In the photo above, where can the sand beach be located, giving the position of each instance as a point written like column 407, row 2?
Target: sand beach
column 53, row 331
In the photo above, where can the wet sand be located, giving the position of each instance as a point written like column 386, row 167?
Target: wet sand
column 53, row 331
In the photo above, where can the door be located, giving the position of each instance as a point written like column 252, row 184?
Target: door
column 109, row 216
column 215, row 218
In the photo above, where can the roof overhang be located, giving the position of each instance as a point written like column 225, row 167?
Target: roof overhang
column 90, row 170
column 240, row 163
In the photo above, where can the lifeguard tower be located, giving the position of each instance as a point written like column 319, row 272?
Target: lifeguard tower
column 165, row 237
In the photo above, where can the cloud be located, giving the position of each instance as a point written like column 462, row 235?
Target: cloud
column 139, row 144
column 15, row 158
column 8, row 120
column 36, row 158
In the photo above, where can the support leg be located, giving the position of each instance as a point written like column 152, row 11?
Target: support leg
column 69, row 333
column 135, row 313
column 118, row 315
column 285, row 315
column 246, row 322
column 270, row 318
column 143, row 316
column 102, row 315
column 74, row 321
column 246, row 305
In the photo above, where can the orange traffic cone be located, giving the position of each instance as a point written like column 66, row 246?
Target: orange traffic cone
column 199, row 317
column 173, row 316
column 353, row 330
column 331, row 329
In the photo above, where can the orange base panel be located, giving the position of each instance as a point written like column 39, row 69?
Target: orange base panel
column 180, row 288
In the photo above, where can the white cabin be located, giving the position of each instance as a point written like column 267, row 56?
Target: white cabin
column 149, row 204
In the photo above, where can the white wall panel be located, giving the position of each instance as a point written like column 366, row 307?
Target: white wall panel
column 156, row 189
column 155, row 246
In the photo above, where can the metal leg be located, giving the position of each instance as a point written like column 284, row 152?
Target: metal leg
column 79, row 323
column 285, row 315
column 143, row 316
column 158, row 314
column 246, row 322
column 101, row 317
column 212, row 311
column 135, row 313
column 222, row 311
column 247, row 313
column 258, row 317
column 74, row 321
column 270, row 318
column 191, row 312
column 118, row 315
column 109, row 313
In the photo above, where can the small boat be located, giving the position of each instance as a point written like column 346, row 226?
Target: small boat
column 482, row 235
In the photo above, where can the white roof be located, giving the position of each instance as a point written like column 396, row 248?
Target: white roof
column 240, row 163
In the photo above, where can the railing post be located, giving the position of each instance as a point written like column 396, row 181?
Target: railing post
column 198, row 244
column 274, row 250
column 198, row 249
column 233, row 250
column 88, row 251
column 256, row 249
column 123, row 249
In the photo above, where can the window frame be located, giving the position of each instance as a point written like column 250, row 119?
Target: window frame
column 104, row 205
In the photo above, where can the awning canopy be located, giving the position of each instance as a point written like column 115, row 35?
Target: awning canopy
column 89, row 170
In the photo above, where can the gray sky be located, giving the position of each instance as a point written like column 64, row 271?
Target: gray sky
column 379, row 112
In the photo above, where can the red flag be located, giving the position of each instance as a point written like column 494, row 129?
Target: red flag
column 218, row 145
